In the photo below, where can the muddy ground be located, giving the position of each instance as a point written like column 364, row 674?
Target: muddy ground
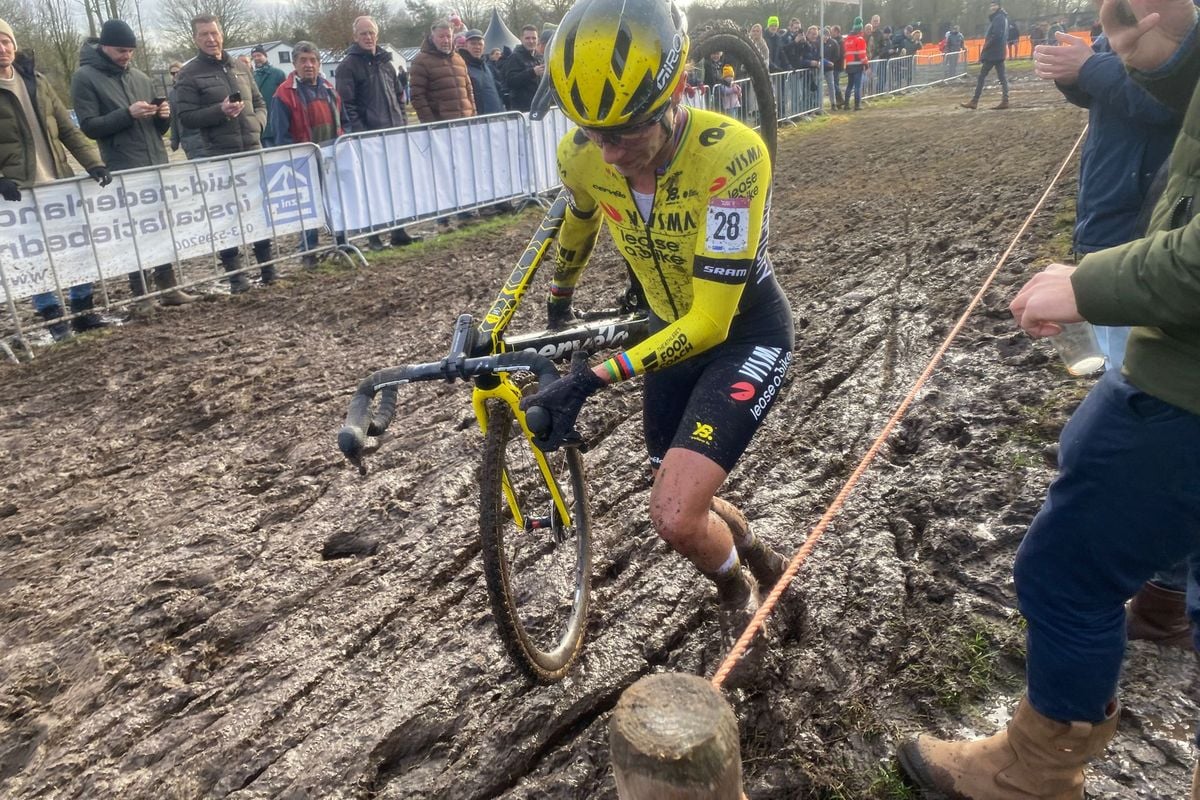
column 169, row 627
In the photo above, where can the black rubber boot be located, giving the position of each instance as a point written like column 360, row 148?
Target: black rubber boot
column 86, row 319
column 58, row 330
column 268, row 275
column 238, row 283
column 401, row 238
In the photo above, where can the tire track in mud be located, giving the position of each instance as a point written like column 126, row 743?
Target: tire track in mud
column 172, row 630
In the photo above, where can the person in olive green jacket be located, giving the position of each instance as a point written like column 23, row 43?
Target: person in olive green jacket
column 1126, row 502
column 34, row 127
column 114, row 103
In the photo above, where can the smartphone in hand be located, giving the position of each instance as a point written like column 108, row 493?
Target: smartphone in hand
column 236, row 97
column 158, row 101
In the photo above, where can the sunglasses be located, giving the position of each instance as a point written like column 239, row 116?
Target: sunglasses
column 622, row 136
column 174, row 73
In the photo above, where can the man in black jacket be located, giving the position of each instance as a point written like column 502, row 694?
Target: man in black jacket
column 129, row 134
column 995, row 49
column 373, row 95
column 213, row 91
column 523, row 71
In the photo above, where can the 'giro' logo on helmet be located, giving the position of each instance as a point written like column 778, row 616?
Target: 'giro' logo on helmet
column 669, row 63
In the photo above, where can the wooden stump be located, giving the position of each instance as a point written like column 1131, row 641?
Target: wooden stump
column 673, row 737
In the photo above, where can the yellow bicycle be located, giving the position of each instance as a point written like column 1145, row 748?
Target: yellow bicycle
column 534, row 521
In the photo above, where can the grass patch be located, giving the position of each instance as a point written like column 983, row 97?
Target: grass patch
column 1042, row 424
column 441, row 239
column 889, row 784
column 970, row 664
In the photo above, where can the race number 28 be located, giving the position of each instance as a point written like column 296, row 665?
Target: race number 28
column 728, row 219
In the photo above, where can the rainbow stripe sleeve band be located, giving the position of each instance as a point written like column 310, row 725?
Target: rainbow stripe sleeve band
column 619, row 368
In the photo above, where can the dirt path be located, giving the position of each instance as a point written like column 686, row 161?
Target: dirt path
column 169, row 628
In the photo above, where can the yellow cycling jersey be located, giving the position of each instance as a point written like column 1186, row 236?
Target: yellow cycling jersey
column 701, row 255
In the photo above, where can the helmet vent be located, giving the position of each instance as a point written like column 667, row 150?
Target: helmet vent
column 642, row 97
column 621, row 47
column 577, row 101
column 569, row 54
column 607, row 98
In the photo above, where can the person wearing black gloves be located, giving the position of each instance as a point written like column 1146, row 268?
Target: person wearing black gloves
column 35, row 133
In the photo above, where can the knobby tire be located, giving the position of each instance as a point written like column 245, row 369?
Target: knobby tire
column 734, row 43
column 527, row 571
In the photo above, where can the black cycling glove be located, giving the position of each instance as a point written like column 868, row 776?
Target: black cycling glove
column 9, row 189
column 101, row 174
column 563, row 400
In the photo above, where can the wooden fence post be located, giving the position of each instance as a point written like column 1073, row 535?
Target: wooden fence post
column 673, row 737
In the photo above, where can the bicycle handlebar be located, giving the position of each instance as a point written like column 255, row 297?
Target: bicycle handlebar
column 353, row 435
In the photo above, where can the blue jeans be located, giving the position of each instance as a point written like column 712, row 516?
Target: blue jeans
column 80, row 291
column 854, row 86
column 1125, row 504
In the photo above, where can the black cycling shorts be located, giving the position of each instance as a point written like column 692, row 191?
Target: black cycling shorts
column 713, row 402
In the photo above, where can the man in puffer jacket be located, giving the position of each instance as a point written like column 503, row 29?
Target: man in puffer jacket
column 439, row 82
column 218, row 96
column 114, row 102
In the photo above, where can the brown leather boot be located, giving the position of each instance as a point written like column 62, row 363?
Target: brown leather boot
column 1002, row 105
column 971, row 104
column 1035, row 758
column 1159, row 615
column 172, row 295
column 1196, row 782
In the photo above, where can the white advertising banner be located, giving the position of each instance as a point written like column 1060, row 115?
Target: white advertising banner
column 149, row 217
column 546, row 134
column 385, row 178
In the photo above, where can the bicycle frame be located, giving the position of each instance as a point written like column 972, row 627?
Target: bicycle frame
column 484, row 355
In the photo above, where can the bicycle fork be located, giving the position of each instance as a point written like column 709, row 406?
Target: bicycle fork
column 509, row 393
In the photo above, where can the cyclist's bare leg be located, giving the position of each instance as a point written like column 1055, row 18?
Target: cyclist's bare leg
column 681, row 509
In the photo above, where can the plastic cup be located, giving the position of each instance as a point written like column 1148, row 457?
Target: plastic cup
column 1078, row 348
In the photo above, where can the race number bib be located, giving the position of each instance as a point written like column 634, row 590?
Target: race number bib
column 728, row 224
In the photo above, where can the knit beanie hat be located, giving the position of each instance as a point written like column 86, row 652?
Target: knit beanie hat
column 772, row 21
column 856, row 26
column 727, row 71
column 117, row 33
column 6, row 28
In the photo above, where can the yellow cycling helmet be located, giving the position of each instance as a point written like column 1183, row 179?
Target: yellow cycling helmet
column 616, row 63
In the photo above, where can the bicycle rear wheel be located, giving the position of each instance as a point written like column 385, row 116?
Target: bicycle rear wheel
column 538, row 571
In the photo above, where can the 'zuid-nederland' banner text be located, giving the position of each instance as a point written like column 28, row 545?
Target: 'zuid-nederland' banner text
column 155, row 216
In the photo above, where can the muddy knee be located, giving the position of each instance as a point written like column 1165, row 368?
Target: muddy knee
column 676, row 527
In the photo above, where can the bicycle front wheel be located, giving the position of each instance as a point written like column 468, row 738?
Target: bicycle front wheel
column 536, row 563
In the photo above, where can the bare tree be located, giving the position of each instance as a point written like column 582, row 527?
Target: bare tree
column 98, row 11
column 329, row 22
column 55, row 22
column 238, row 21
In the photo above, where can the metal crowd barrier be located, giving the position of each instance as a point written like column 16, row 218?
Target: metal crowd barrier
column 805, row 91
column 381, row 180
column 72, row 232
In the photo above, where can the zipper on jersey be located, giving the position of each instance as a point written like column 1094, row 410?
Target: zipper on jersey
column 649, row 228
